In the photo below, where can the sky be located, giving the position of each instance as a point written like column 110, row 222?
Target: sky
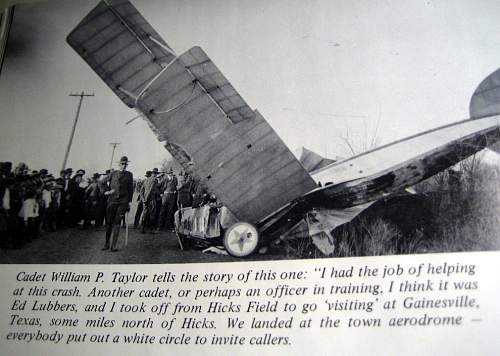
column 318, row 71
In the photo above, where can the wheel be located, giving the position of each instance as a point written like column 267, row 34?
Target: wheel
column 187, row 243
column 241, row 239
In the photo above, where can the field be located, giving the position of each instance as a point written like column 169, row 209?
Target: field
column 456, row 210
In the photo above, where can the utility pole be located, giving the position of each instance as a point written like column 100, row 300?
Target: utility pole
column 114, row 144
column 81, row 95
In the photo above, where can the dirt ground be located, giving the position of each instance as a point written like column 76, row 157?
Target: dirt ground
column 84, row 247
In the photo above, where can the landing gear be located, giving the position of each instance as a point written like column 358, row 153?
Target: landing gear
column 184, row 242
column 241, row 239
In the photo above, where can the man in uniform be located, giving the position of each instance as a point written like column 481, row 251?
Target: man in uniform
column 148, row 195
column 169, row 201
column 140, row 203
column 184, row 196
column 121, row 183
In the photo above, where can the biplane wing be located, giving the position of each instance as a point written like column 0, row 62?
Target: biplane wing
column 233, row 151
column 188, row 103
column 398, row 165
column 356, row 181
column 429, row 143
column 419, row 156
column 377, row 173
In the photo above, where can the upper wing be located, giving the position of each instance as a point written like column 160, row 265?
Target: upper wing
column 191, row 105
column 119, row 44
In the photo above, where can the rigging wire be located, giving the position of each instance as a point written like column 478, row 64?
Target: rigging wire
column 188, row 98
column 141, row 93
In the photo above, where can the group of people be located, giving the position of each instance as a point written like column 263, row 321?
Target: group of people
column 161, row 194
column 35, row 201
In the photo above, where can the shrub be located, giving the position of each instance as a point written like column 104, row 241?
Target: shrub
column 464, row 206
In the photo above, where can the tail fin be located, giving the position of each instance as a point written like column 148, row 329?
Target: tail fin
column 486, row 99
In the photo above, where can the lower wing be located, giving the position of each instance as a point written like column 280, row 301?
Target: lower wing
column 389, row 169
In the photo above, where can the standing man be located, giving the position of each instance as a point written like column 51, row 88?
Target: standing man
column 140, row 203
column 91, row 201
column 184, row 196
column 65, row 197
column 103, row 184
column 148, row 194
column 155, row 217
column 121, row 183
column 169, row 201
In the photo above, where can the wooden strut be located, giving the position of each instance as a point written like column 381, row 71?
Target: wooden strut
column 124, row 23
column 166, row 48
column 169, row 50
column 210, row 96
column 195, row 80
column 126, row 92
column 147, row 86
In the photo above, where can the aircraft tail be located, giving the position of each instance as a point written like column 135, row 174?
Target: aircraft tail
column 486, row 98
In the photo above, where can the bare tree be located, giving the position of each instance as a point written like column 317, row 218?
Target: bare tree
column 357, row 143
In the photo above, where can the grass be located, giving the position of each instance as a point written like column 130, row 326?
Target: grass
column 461, row 213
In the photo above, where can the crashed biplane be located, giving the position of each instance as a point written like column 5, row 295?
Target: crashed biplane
column 231, row 149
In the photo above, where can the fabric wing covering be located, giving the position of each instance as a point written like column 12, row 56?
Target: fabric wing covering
column 312, row 161
column 486, row 98
column 188, row 103
column 452, row 142
column 416, row 157
column 116, row 41
column 318, row 224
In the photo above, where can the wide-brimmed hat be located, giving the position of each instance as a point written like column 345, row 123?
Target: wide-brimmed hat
column 148, row 173
column 44, row 171
column 68, row 170
column 81, row 171
column 124, row 159
column 22, row 166
column 96, row 175
column 155, row 170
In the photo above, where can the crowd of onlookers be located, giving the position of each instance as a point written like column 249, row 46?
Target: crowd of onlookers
column 34, row 202
column 161, row 194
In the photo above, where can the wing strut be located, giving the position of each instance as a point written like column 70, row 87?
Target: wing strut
column 166, row 48
column 124, row 23
column 145, row 89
